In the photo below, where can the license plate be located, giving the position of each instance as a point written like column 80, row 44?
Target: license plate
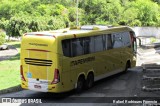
column 37, row 86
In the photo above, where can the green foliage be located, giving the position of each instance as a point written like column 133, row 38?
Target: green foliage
column 21, row 16
column 55, row 23
column 153, row 40
column 157, row 1
column 10, row 75
column 148, row 12
column 2, row 37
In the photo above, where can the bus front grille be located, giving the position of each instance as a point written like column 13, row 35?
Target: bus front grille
column 38, row 62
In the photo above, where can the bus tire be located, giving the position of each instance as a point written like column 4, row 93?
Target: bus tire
column 80, row 84
column 128, row 65
column 90, row 80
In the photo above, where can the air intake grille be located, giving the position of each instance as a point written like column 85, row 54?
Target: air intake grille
column 38, row 62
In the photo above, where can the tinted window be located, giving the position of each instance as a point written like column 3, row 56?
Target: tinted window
column 80, row 46
column 77, row 46
column 98, row 43
column 109, row 41
column 117, row 40
column 104, row 41
column 66, row 47
column 86, row 42
column 91, row 45
column 126, row 39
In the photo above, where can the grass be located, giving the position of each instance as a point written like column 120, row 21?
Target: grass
column 9, row 69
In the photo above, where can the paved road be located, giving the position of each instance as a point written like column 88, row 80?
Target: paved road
column 127, row 84
column 6, row 54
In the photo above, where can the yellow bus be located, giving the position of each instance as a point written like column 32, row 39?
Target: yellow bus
column 62, row 60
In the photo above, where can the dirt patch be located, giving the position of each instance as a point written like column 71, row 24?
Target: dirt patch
column 6, row 54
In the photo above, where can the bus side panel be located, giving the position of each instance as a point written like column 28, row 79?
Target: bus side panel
column 66, row 74
column 81, row 65
column 98, row 64
column 116, row 59
column 104, row 63
column 107, row 62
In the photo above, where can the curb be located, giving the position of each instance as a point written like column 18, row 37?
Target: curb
column 11, row 89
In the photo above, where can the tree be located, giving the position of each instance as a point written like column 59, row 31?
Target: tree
column 157, row 1
column 129, row 15
column 2, row 37
column 148, row 12
column 21, row 16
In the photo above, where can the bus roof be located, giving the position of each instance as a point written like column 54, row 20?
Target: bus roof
column 78, row 30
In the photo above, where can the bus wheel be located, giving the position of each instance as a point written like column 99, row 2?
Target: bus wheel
column 80, row 84
column 90, row 80
column 128, row 65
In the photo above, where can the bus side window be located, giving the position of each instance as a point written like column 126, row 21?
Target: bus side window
column 108, row 41
column 117, row 40
column 98, row 43
column 92, row 45
column 77, row 47
column 66, row 46
column 86, row 45
column 126, row 39
column 104, row 39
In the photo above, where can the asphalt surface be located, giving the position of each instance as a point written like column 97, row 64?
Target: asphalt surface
column 104, row 91
column 8, row 53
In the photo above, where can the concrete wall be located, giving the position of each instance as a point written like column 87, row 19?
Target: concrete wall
column 147, row 31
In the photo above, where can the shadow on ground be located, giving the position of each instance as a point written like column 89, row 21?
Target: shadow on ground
column 16, row 45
